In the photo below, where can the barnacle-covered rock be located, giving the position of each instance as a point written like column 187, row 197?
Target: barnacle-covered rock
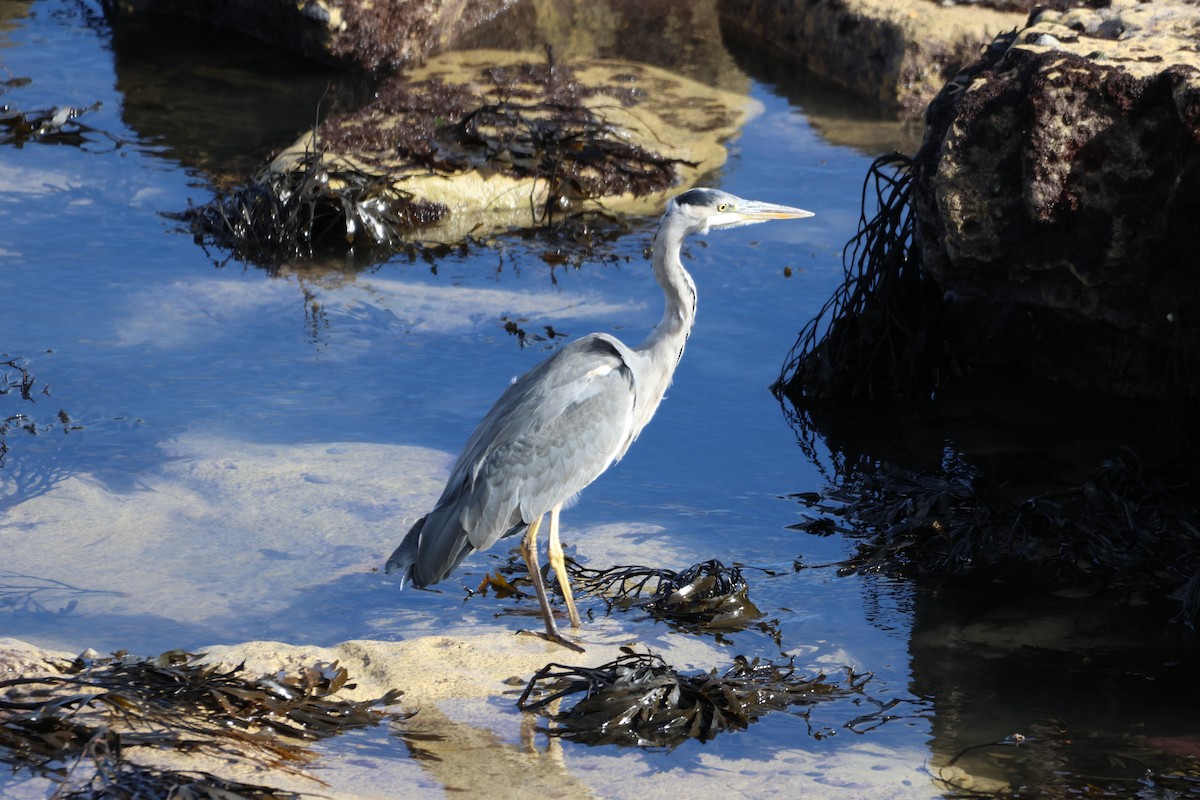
column 1056, row 192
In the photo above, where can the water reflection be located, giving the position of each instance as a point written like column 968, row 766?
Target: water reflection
column 216, row 101
column 1054, row 692
column 480, row 763
column 1049, row 666
column 838, row 116
column 682, row 36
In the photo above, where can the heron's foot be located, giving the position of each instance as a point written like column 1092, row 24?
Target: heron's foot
column 556, row 638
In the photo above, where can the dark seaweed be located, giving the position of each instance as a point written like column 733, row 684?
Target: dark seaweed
column 49, row 126
column 296, row 213
column 538, row 129
column 640, row 700
column 705, row 596
column 18, row 382
column 536, row 125
column 78, row 723
column 881, row 336
column 1127, row 529
column 135, row 782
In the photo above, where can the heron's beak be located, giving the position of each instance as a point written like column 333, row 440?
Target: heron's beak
column 754, row 211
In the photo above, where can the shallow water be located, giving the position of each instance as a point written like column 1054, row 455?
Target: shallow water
column 247, row 448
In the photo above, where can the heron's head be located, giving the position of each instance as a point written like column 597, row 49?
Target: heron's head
column 712, row 209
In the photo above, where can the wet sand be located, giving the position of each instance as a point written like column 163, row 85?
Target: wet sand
column 268, row 555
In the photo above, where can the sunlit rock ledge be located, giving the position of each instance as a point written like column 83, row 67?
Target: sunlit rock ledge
column 898, row 52
column 483, row 140
column 531, row 138
column 457, row 729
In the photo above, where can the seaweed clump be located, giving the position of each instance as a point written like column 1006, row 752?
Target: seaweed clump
column 705, row 596
column 17, row 380
column 882, row 335
column 59, row 125
column 1129, row 527
column 640, row 700
column 526, row 120
column 49, row 126
column 375, row 177
column 316, row 205
column 79, row 724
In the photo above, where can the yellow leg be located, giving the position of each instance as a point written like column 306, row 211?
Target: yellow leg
column 529, row 551
column 560, row 566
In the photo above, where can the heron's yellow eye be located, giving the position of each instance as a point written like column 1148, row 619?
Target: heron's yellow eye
column 723, row 207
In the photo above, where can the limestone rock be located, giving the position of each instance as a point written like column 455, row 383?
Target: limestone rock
column 479, row 141
column 680, row 35
column 1057, row 190
column 898, row 52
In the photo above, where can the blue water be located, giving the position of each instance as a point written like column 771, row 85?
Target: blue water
column 145, row 340
column 128, row 320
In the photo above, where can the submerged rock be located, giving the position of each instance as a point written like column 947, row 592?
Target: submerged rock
column 1056, row 192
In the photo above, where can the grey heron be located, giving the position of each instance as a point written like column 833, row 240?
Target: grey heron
column 559, row 426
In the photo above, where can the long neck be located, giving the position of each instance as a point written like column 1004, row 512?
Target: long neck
column 663, row 348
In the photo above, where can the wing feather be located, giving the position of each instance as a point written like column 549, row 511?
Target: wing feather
column 552, row 432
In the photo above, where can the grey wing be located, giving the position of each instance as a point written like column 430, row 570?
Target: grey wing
column 551, row 433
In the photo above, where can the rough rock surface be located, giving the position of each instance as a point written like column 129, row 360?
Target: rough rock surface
column 475, row 141
column 681, row 35
column 1056, row 194
column 899, row 52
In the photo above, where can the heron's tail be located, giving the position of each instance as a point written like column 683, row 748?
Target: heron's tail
column 405, row 555
column 433, row 547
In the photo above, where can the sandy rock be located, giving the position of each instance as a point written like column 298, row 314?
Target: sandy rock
column 899, row 53
column 21, row 658
column 479, row 141
column 467, row 736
